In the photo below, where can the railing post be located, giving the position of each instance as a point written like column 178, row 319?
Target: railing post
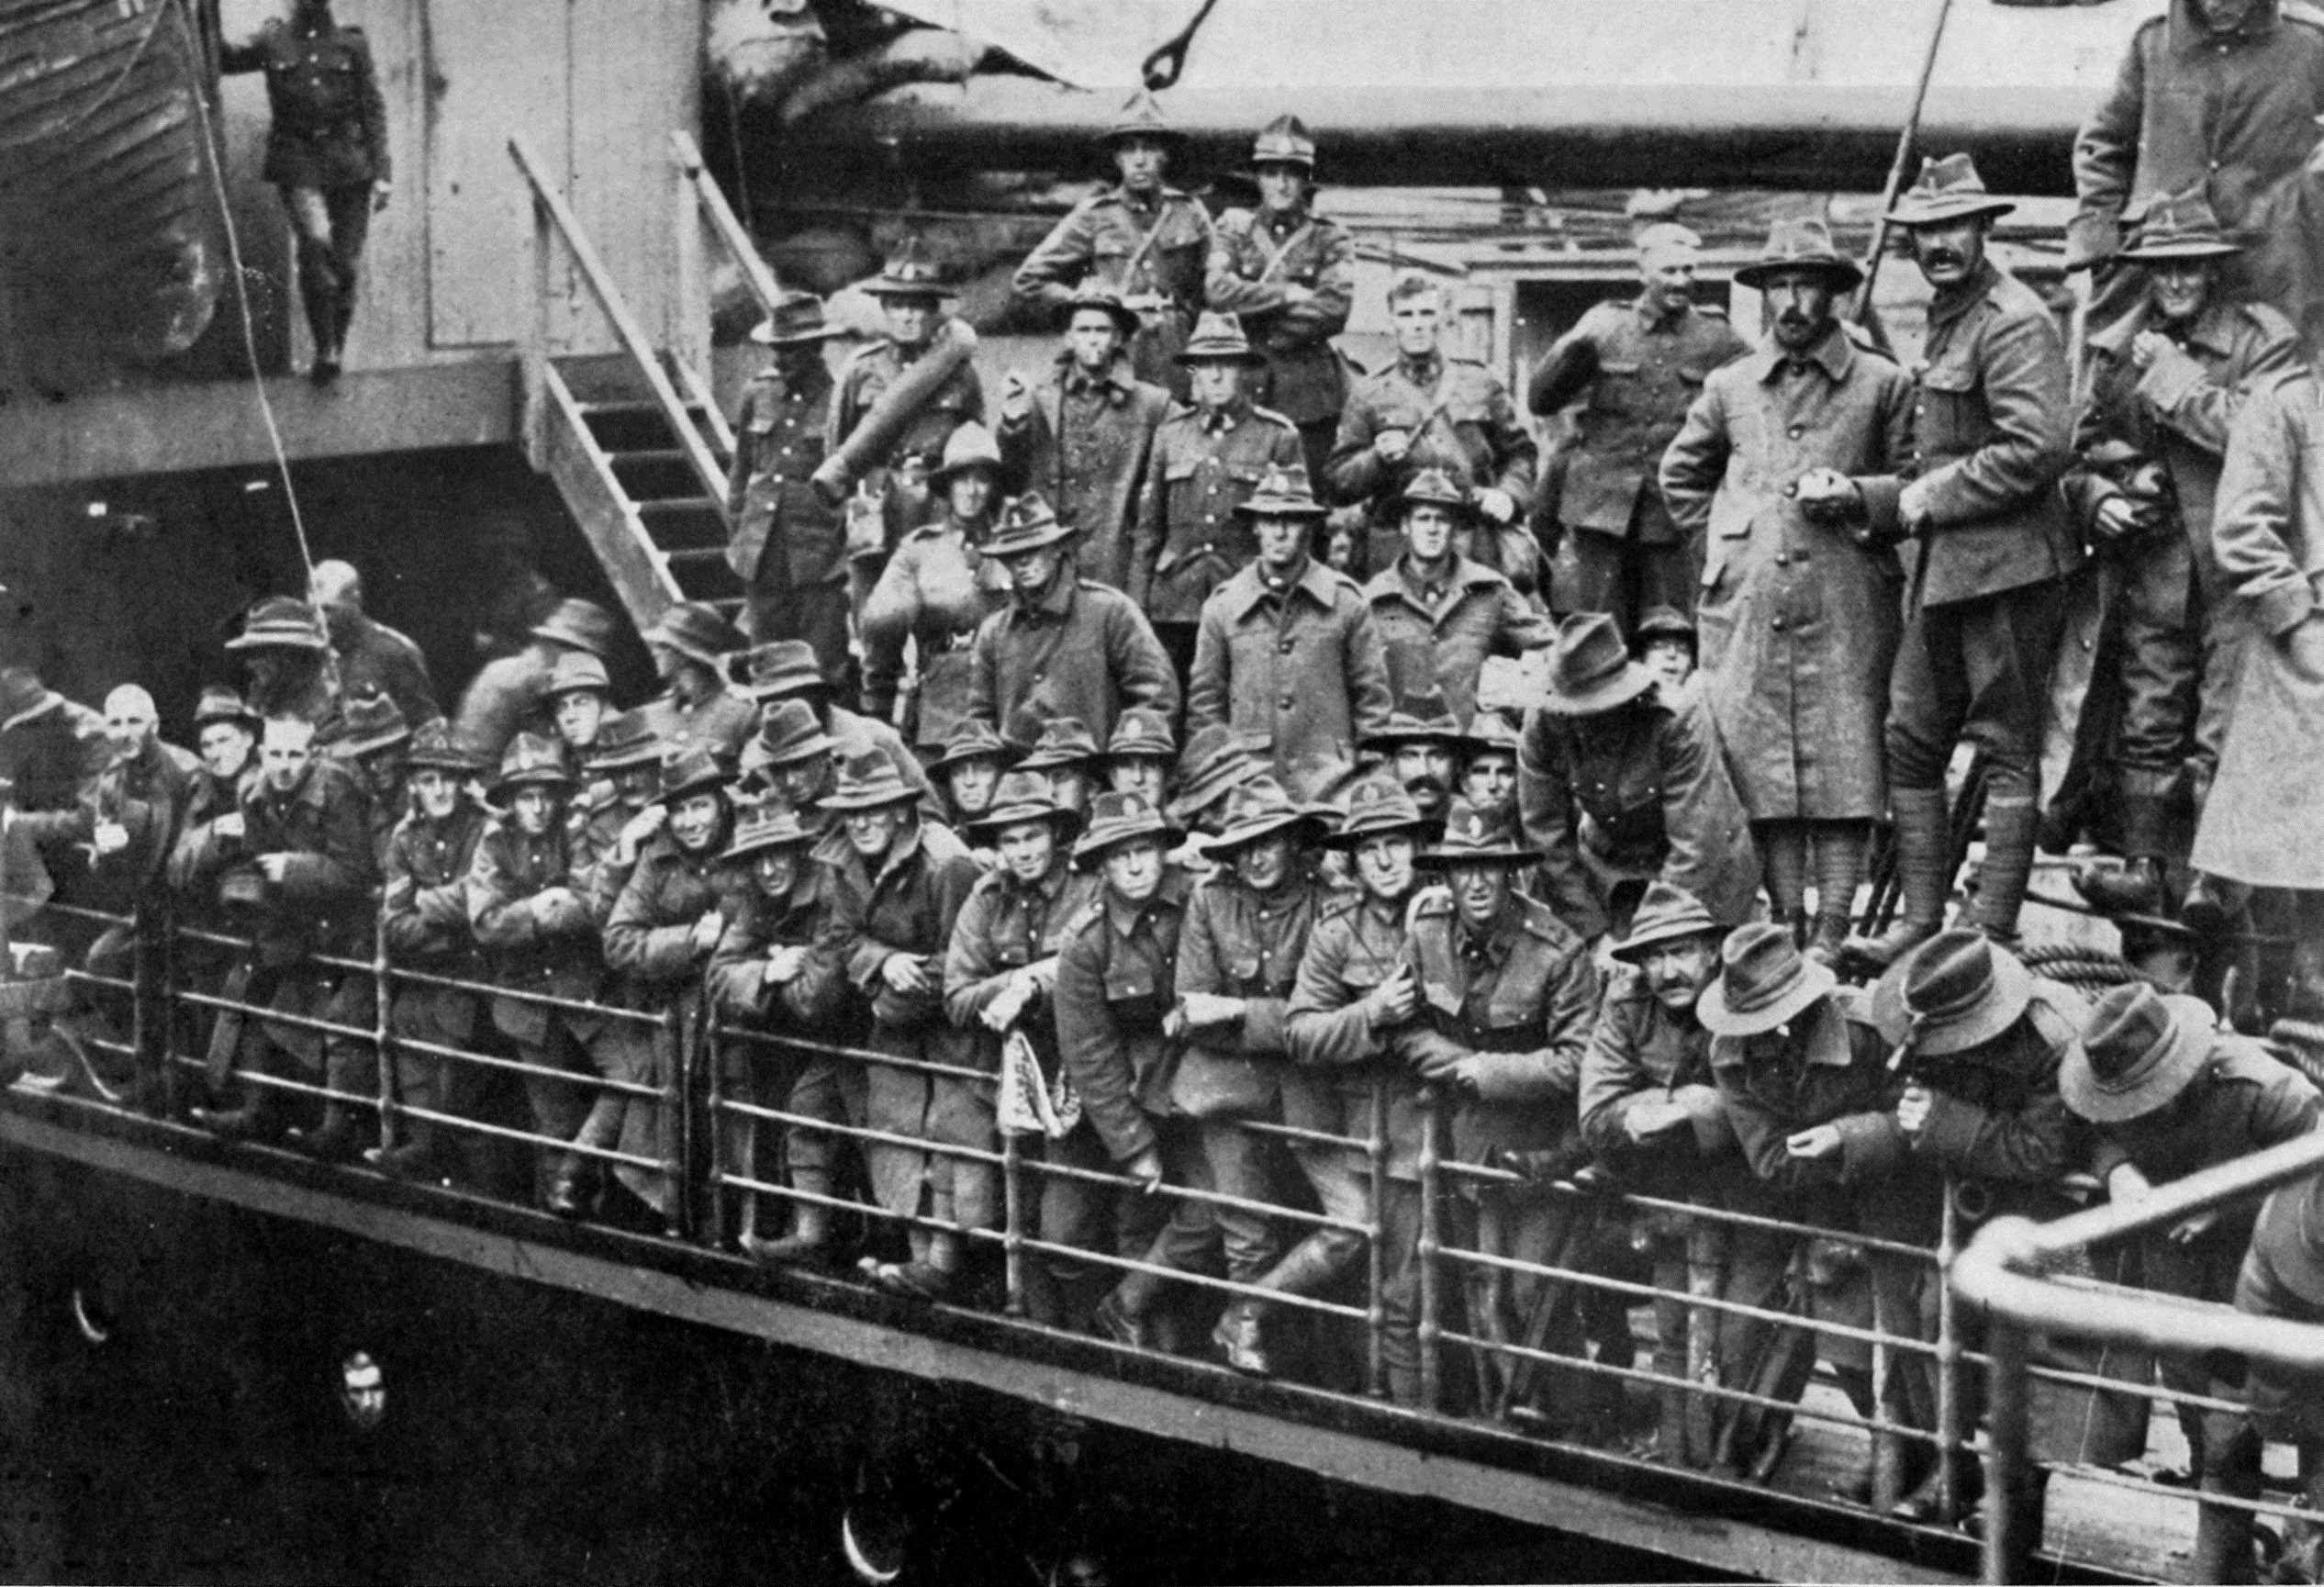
column 1374, row 1242
column 1950, row 1399
column 1431, row 1302
column 149, row 1003
column 382, row 1039
column 715, row 1199
column 1012, row 1228
column 2009, row 1544
column 534, row 421
column 678, row 1130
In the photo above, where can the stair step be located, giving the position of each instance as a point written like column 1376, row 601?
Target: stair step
column 685, row 523
column 705, row 580
column 634, row 426
column 656, row 475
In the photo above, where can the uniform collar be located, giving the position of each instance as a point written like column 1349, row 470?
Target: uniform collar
column 1225, row 417
column 2189, row 36
column 1115, row 380
column 1423, row 371
column 1056, row 602
column 1051, row 882
column 1497, row 938
column 1316, row 579
column 1287, row 221
column 1124, row 916
column 1832, row 352
column 1463, row 575
column 1118, row 194
column 1667, row 319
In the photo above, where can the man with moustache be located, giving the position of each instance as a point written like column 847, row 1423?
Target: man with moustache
column 1651, row 1112
column 1981, row 613
column 1797, row 614
column 1421, row 746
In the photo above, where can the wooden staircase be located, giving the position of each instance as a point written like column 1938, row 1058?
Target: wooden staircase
column 634, row 440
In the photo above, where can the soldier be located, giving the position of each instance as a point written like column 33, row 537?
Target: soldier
column 789, row 545
column 615, row 810
column 1635, row 367
column 1206, row 460
column 1116, row 966
column 791, row 762
column 580, row 694
column 1290, row 275
column 968, row 771
column 1139, row 756
column 1082, row 435
column 1798, row 616
column 671, row 915
column 1426, row 411
column 898, row 886
column 425, row 918
column 2165, row 1095
column 1439, row 613
column 1244, row 931
column 1651, row 1112
column 1068, row 760
column 372, row 657
column 1353, row 996
column 1981, row 610
column 1621, row 783
column 689, row 644
column 999, row 972
column 1288, row 648
column 775, row 971
column 1507, row 994
column 935, row 592
column 1802, row 1074
column 2258, row 825
column 292, row 860
column 1421, row 748
column 288, row 665
column 2165, row 381
column 1217, row 761
column 787, row 670
column 1064, row 645
column 1489, row 765
column 911, row 295
column 376, row 738
column 326, row 154
column 2218, row 96
column 1665, row 644
column 1980, row 1119
column 1144, row 239
column 527, row 907
column 510, row 694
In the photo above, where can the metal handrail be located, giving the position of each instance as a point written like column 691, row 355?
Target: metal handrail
column 2006, row 1269
column 549, row 202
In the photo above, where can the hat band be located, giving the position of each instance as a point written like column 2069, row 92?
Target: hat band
column 1939, row 1013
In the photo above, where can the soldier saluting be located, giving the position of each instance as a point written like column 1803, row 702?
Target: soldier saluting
column 326, row 152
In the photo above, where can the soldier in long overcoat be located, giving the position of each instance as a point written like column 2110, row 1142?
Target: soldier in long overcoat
column 2260, row 823
column 1144, row 238
column 1288, row 648
column 1081, row 435
column 1797, row 619
column 898, row 882
column 1440, row 613
column 1289, row 274
column 789, row 545
column 1635, row 367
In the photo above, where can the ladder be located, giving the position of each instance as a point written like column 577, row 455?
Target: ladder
column 634, row 442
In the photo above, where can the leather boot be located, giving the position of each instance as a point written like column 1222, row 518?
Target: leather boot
column 2136, row 887
column 1239, row 1338
column 811, row 1230
column 925, row 1277
column 2223, row 1536
column 2002, row 875
column 1924, row 875
column 1839, row 871
column 332, row 1141
column 1782, row 848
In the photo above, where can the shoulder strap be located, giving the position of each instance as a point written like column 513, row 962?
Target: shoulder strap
column 1277, row 255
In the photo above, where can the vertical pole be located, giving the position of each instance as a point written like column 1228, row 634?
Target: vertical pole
column 2009, row 1544
column 1374, row 1242
column 1012, row 1228
column 1949, row 1397
column 149, row 1014
column 169, row 1022
column 1431, row 1302
column 677, row 1126
column 688, row 311
column 714, row 1189
column 382, row 1036
column 535, row 362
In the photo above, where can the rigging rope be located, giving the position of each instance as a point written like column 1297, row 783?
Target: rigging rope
column 215, row 157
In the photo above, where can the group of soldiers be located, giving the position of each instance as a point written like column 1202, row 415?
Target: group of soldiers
column 1133, row 764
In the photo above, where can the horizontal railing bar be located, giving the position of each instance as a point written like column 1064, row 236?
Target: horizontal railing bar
column 518, row 1066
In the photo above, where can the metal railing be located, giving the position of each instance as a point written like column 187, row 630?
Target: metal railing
column 2010, row 1269
column 2007, row 1271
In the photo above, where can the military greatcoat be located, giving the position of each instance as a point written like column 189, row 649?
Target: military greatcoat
column 1084, row 445
column 1797, row 623
column 1203, row 465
